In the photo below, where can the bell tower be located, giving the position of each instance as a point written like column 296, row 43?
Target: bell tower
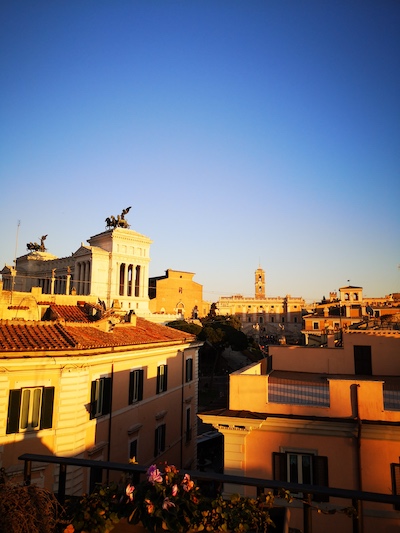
column 259, row 284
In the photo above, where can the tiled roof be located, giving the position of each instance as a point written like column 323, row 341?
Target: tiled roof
column 69, row 313
column 35, row 336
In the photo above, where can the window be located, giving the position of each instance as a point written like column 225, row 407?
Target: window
column 315, row 325
column 100, row 397
column 135, row 386
column 295, row 319
column 161, row 378
column 137, row 281
column 362, row 360
column 133, row 450
column 188, row 425
column 260, row 319
column 122, row 279
column 283, row 319
column 395, row 471
column 272, row 319
column 30, row 409
column 159, row 440
column 299, row 467
column 189, row 370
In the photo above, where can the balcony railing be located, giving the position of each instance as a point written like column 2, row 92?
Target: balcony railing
column 356, row 497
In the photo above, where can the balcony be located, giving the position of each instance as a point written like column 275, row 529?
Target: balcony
column 352, row 498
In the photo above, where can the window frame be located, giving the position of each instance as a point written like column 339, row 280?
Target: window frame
column 395, row 475
column 319, row 469
column 189, row 369
column 162, row 378
column 100, row 397
column 44, row 414
column 136, row 381
column 159, row 439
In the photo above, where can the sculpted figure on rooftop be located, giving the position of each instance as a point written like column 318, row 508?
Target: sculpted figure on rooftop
column 119, row 222
column 35, row 247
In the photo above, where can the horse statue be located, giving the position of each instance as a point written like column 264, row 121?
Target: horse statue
column 119, row 222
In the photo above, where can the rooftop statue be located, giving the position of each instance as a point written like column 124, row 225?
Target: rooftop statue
column 35, row 247
column 119, row 222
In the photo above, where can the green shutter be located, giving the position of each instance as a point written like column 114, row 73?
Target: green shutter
column 320, row 476
column 106, row 396
column 131, row 381
column 395, row 470
column 46, row 419
column 92, row 410
column 140, row 392
column 165, row 377
column 14, row 406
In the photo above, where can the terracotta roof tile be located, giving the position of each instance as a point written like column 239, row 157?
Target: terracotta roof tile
column 34, row 336
column 69, row 313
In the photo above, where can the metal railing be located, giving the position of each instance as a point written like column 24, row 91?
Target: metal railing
column 356, row 497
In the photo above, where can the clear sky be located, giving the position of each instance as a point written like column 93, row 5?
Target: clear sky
column 242, row 133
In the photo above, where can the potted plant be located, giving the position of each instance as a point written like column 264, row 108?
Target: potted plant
column 169, row 501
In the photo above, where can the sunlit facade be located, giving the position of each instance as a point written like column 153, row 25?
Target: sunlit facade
column 322, row 416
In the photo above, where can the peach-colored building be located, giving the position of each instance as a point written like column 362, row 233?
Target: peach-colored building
column 348, row 309
column 177, row 294
column 322, row 416
column 119, row 388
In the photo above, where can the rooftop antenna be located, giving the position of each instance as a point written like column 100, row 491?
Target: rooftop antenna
column 16, row 244
column 15, row 263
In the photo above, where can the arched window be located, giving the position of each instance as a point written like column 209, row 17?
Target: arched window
column 137, row 281
column 130, row 268
column 121, row 279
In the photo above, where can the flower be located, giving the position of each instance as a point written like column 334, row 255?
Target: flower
column 69, row 529
column 129, row 491
column 174, row 490
column 154, row 475
column 167, row 503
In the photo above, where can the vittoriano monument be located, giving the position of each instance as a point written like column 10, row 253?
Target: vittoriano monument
column 119, row 222
column 35, row 247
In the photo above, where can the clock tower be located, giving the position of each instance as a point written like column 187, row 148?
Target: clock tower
column 259, row 284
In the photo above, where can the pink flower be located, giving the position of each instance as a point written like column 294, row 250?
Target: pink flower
column 129, row 491
column 175, row 490
column 187, row 483
column 167, row 504
column 154, row 475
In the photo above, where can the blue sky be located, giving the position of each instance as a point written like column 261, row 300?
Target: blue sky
column 243, row 133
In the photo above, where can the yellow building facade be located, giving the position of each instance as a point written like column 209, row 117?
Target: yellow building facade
column 117, row 389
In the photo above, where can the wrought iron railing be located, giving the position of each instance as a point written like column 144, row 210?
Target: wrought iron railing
column 356, row 497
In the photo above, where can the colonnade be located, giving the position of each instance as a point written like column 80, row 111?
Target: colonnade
column 131, row 280
column 82, row 277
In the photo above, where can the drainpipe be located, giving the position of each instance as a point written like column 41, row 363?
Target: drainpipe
column 358, row 521
column 109, row 421
column 182, row 404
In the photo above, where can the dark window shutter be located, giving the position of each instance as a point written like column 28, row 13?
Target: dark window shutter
column 165, row 377
column 46, row 419
column 320, row 476
column 14, row 406
column 156, row 442
column 131, row 381
column 93, row 400
column 140, row 393
column 279, row 462
column 163, row 427
column 395, row 469
column 158, row 381
column 189, row 370
column 106, row 396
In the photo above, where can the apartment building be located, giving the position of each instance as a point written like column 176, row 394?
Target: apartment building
column 324, row 416
column 116, row 388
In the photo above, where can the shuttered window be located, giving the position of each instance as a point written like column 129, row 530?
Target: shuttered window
column 30, row 409
column 297, row 467
column 395, row 470
column 162, row 375
column 100, row 397
column 135, row 386
column 159, row 440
